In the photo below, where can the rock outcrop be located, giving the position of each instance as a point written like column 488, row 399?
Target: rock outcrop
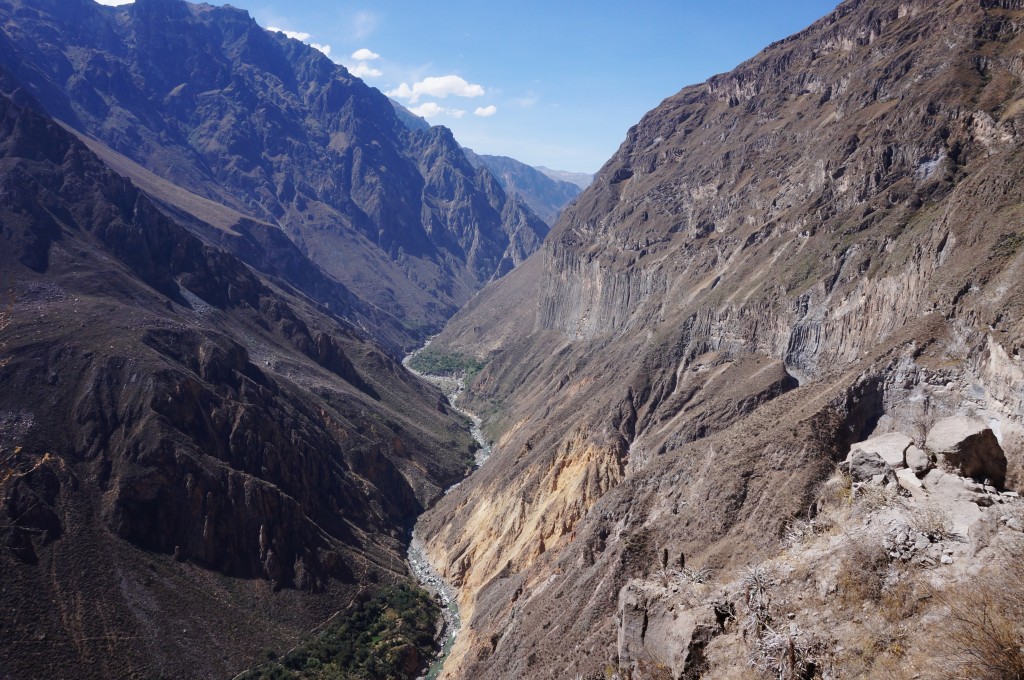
column 970, row 447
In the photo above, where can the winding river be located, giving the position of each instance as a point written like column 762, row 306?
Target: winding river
column 424, row 571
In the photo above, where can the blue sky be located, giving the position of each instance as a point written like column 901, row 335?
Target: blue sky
column 552, row 82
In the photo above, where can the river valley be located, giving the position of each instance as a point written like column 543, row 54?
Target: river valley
column 419, row 563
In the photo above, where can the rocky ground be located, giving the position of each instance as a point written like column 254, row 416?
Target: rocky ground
column 901, row 568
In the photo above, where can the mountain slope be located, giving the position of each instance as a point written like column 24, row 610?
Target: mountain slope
column 819, row 245
column 204, row 98
column 545, row 196
column 580, row 179
column 195, row 464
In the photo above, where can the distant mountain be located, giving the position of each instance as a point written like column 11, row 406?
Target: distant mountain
column 217, row 243
column 580, row 179
column 410, row 119
column 545, row 196
column 185, row 446
column 271, row 129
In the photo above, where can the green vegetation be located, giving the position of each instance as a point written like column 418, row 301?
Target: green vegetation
column 436, row 362
column 390, row 636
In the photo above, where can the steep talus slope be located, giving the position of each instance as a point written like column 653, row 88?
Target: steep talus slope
column 197, row 465
column 545, row 195
column 820, row 244
column 272, row 129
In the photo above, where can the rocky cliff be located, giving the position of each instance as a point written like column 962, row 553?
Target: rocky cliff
column 196, row 463
column 819, row 246
column 271, row 129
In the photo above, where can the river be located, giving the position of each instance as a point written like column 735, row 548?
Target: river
column 420, row 566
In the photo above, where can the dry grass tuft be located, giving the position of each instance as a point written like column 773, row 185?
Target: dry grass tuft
column 863, row 569
column 933, row 523
column 870, row 497
column 984, row 623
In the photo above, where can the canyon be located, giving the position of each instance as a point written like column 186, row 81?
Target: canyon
column 818, row 247
column 755, row 399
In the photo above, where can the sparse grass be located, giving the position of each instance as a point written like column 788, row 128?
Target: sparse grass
column 863, row 566
column 984, row 624
column 902, row 595
column 837, row 490
column 871, row 497
column 1007, row 244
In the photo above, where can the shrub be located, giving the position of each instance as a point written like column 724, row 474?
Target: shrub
column 450, row 364
column 375, row 640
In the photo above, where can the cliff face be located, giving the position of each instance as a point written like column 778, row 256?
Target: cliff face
column 821, row 244
column 271, row 129
column 189, row 452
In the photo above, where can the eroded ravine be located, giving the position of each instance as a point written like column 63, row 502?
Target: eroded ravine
column 430, row 579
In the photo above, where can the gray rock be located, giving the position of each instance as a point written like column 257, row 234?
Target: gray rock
column 864, row 465
column 1015, row 524
column 889, row 447
column 946, row 559
column 917, row 460
column 969, row 446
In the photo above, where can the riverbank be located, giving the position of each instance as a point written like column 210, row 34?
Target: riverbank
column 429, row 578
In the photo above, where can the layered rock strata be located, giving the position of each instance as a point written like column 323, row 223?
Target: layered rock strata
column 819, row 246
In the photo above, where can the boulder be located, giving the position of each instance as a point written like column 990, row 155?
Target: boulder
column 909, row 481
column 865, row 465
column 918, row 460
column 969, row 446
column 889, row 447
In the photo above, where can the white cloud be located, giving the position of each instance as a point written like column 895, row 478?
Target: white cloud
column 363, row 24
column 438, row 86
column 326, row 49
column 433, row 110
column 403, row 91
column 294, row 35
column 365, row 55
column 364, row 70
column 526, row 102
column 486, row 111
